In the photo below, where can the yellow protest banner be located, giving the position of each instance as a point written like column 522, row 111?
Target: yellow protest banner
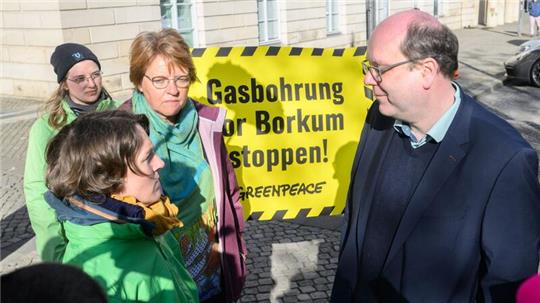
column 293, row 123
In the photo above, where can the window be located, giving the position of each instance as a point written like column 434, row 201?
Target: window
column 332, row 16
column 177, row 14
column 268, row 21
column 438, row 8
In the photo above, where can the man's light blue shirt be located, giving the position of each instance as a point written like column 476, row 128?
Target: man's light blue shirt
column 438, row 130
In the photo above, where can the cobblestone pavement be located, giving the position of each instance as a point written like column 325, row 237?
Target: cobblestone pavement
column 288, row 262
column 16, row 118
column 15, row 228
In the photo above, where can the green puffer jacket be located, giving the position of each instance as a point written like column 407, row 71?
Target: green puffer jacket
column 130, row 266
column 114, row 243
column 50, row 242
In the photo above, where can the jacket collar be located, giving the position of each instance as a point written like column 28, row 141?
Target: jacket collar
column 212, row 113
column 100, row 209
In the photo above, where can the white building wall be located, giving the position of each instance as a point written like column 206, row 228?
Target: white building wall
column 395, row 6
column 226, row 22
column 301, row 23
column 511, row 11
column 459, row 14
column 32, row 29
column 354, row 22
column 29, row 33
column 306, row 24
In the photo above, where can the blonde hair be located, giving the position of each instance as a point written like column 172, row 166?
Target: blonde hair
column 167, row 43
column 53, row 106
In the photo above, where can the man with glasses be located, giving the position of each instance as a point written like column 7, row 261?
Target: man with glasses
column 444, row 201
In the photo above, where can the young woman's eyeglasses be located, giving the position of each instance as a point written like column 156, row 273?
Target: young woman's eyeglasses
column 161, row 82
column 377, row 71
column 81, row 80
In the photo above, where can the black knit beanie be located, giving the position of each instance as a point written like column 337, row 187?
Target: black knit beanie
column 68, row 54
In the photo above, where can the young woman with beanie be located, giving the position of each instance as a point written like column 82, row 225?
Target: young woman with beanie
column 79, row 90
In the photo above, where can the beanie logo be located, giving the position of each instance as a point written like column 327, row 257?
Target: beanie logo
column 76, row 56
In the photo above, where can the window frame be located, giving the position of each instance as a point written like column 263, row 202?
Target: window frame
column 330, row 15
column 173, row 8
column 438, row 8
column 266, row 40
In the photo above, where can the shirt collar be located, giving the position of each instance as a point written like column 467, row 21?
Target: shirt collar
column 438, row 130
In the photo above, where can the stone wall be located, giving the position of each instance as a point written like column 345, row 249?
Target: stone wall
column 32, row 29
column 226, row 23
column 304, row 24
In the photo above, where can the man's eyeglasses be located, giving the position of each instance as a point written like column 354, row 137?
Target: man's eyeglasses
column 377, row 71
column 81, row 80
column 161, row 82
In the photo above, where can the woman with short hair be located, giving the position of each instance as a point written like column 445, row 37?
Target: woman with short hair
column 198, row 175
column 104, row 187
column 80, row 90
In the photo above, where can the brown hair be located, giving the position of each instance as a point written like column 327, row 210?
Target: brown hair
column 167, row 43
column 91, row 155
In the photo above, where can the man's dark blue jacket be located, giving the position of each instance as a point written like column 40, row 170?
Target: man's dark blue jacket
column 471, row 229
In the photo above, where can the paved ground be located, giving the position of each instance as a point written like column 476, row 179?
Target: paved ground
column 288, row 261
column 16, row 117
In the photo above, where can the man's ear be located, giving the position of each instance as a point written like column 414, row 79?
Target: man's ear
column 430, row 69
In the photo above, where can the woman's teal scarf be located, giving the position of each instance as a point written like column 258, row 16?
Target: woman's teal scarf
column 186, row 177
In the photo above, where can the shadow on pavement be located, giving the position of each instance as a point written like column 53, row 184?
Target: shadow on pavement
column 13, row 234
column 494, row 30
column 515, row 83
column 517, row 42
column 289, row 262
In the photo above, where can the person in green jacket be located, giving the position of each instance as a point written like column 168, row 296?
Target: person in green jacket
column 103, row 177
column 79, row 90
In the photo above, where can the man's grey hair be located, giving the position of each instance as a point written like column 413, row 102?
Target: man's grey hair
column 425, row 40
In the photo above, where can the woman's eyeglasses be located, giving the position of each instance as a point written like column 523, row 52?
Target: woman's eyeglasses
column 81, row 80
column 161, row 82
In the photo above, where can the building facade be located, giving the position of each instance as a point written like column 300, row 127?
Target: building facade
column 31, row 29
